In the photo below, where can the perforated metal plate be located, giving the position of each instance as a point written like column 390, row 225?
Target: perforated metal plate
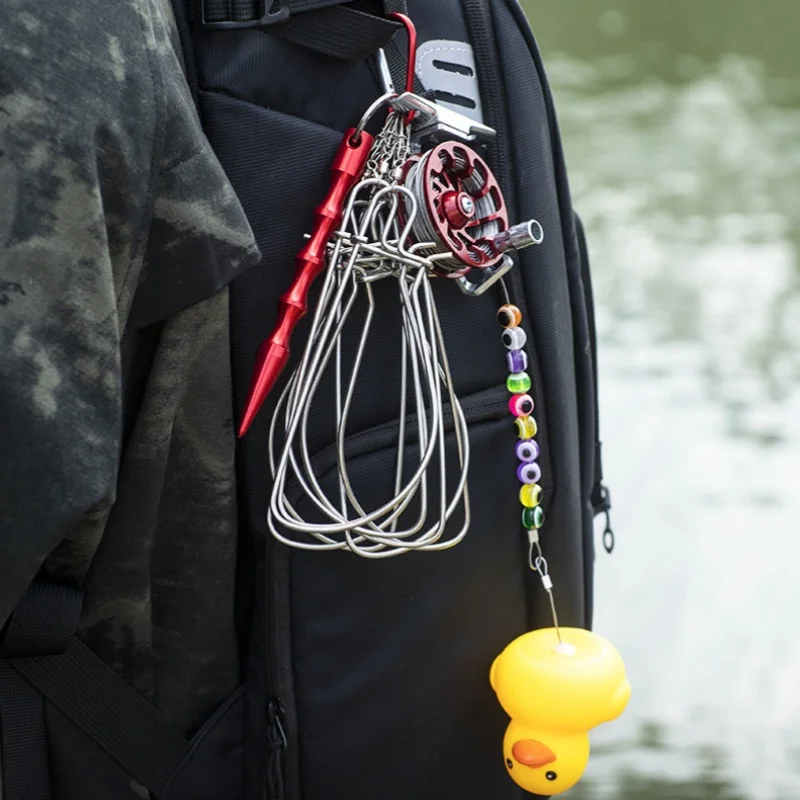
column 447, row 68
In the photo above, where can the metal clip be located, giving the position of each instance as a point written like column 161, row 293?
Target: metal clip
column 433, row 124
column 488, row 277
column 385, row 73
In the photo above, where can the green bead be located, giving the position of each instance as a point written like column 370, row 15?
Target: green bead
column 518, row 382
column 533, row 518
column 526, row 427
column 530, row 495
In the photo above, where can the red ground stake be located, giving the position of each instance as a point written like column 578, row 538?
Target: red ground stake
column 274, row 352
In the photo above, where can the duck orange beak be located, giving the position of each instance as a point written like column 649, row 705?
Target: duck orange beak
column 532, row 753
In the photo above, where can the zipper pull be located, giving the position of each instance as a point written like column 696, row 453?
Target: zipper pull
column 274, row 787
column 602, row 505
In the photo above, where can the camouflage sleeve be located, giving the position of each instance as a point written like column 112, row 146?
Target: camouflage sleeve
column 59, row 327
column 84, row 116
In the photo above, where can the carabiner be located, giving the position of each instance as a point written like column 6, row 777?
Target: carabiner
column 412, row 47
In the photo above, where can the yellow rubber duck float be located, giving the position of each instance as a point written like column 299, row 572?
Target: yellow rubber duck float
column 556, row 689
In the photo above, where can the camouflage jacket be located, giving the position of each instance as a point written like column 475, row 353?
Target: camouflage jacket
column 118, row 235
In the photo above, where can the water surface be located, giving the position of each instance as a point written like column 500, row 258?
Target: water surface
column 681, row 124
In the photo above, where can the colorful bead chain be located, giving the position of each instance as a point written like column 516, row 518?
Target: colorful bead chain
column 521, row 406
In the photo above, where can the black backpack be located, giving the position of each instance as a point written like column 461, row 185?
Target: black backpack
column 362, row 680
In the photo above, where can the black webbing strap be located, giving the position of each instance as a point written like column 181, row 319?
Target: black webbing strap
column 41, row 658
column 344, row 30
column 110, row 712
column 344, row 33
column 42, row 623
column 245, row 10
column 26, row 773
column 397, row 60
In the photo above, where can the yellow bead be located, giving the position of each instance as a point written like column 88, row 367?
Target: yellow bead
column 526, row 427
column 530, row 495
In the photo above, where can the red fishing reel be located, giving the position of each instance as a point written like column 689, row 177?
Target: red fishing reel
column 458, row 211
column 459, row 207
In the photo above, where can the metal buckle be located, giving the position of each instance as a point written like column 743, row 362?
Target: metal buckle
column 268, row 17
column 433, row 124
column 487, row 277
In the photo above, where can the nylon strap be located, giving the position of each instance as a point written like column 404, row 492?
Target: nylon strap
column 344, row 33
column 26, row 769
column 43, row 622
column 40, row 659
column 347, row 31
column 396, row 57
column 110, row 712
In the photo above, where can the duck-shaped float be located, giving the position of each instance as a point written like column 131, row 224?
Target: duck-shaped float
column 556, row 690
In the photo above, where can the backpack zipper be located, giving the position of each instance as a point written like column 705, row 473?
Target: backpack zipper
column 600, row 496
column 281, row 767
column 274, row 783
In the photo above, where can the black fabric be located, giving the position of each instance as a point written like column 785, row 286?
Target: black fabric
column 234, row 10
column 302, row 83
column 180, row 11
column 242, row 10
column 159, row 575
column 361, row 679
column 399, row 662
column 397, row 60
column 41, row 625
column 305, row 593
column 347, row 32
column 43, row 622
column 81, row 769
column 117, row 718
column 550, row 281
column 582, row 393
column 343, row 33
column 26, row 770
column 600, row 499
column 42, row 659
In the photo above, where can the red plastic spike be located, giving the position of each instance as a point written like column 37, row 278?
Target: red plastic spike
column 274, row 352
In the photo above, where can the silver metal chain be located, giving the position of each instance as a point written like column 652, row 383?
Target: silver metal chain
column 391, row 149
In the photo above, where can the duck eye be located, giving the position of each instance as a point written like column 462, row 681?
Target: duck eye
column 551, row 776
column 509, row 763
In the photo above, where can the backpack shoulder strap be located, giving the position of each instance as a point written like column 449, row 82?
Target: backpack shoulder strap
column 41, row 658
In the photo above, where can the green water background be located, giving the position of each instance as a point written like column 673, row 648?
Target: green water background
column 681, row 125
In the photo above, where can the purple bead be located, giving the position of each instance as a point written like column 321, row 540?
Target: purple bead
column 527, row 450
column 529, row 473
column 517, row 360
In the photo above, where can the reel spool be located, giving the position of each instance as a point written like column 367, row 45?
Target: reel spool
column 460, row 208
